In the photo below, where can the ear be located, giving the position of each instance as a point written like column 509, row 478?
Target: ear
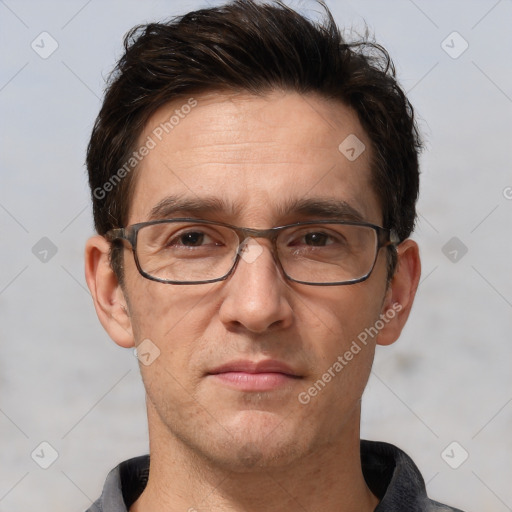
column 109, row 300
column 401, row 292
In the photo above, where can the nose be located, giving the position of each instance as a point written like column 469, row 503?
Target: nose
column 256, row 293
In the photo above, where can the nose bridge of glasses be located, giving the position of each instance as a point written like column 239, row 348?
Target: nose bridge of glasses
column 247, row 234
column 267, row 237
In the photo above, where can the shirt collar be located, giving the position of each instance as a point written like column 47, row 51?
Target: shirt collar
column 389, row 473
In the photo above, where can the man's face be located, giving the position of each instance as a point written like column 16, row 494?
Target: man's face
column 257, row 154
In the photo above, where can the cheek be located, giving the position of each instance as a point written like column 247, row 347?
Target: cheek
column 345, row 349
column 343, row 313
column 159, row 310
column 173, row 319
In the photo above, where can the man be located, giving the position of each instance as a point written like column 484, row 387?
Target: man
column 254, row 180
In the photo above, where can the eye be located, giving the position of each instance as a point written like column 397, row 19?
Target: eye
column 317, row 237
column 191, row 238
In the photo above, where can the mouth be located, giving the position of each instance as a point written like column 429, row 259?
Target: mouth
column 247, row 375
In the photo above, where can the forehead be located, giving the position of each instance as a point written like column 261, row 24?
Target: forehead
column 257, row 160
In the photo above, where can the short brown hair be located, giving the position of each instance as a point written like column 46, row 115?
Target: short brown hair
column 252, row 47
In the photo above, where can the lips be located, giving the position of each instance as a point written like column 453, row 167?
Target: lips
column 245, row 375
column 266, row 366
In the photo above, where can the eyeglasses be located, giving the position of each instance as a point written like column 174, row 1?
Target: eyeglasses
column 192, row 251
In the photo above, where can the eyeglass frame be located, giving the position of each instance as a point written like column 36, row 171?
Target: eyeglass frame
column 385, row 238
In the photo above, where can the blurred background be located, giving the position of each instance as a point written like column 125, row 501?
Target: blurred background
column 443, row 393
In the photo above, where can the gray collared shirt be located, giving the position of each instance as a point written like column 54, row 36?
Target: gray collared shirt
column 389, row 473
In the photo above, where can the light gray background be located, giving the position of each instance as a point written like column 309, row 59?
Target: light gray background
column 448, row 378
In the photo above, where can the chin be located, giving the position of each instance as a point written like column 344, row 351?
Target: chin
column 259, row 440
column 248, row 456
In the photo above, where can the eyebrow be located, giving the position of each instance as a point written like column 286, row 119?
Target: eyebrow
column 325, row 208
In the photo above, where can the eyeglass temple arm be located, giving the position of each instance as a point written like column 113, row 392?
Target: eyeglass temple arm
column 392, row 239
column 117, row 234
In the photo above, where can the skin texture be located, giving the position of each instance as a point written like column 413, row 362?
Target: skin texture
column 214, row 447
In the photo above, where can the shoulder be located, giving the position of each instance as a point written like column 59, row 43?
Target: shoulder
column 394, row 478
column 123, row 486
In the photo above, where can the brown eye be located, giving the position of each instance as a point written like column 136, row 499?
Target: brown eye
column 192, row 238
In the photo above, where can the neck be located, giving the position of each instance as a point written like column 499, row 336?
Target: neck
column 330, row 479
